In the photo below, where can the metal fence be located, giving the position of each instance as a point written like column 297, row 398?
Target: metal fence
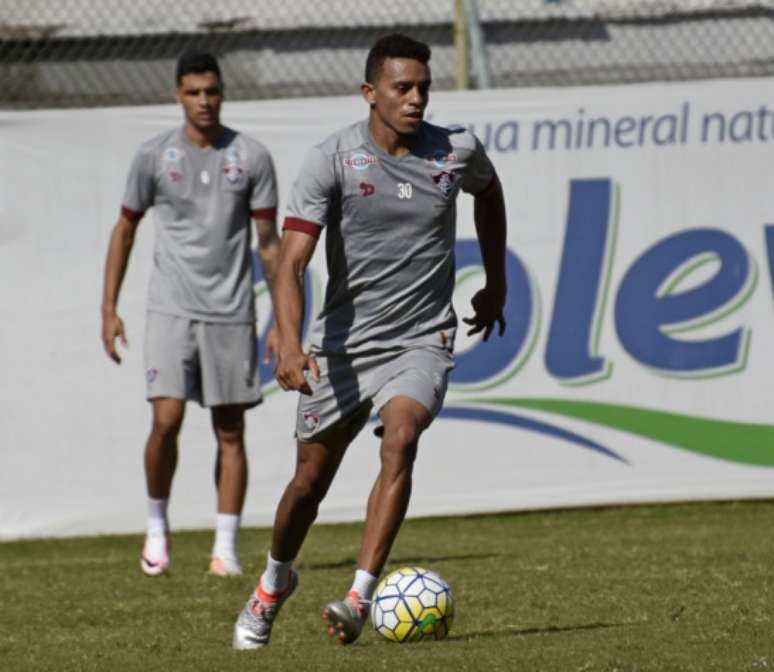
column 57, row 53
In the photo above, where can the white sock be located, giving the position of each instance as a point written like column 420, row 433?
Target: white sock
column 158, row 525
column 157, row 528
column 275, row 577
column 226, row 535
column 364, row 584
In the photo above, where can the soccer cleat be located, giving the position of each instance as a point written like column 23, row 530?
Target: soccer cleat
column 155, row 558
column 345, row 618
column 225, row 567
column 253, row 627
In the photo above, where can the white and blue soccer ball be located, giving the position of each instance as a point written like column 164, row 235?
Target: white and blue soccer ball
column 412, row 604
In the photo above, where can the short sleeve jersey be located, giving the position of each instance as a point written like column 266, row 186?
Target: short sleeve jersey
column 203, row 200
column 390, row 232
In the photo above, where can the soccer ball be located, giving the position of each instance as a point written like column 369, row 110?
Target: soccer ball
column 411, row 604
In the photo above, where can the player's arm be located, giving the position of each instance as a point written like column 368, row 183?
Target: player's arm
column 119, row 249
column 489, row 218
column 268, row 247
column 268, row 253
column 296, row 250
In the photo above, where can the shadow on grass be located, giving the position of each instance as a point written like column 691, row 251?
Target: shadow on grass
column 402, row 561
column 526, row 632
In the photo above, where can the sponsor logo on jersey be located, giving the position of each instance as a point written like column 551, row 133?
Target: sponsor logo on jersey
column 360, row 161
column 174, row 175
column 367, row 189
column 441, row 158
column 311, row 420
column 173, row 154
column 445, row 181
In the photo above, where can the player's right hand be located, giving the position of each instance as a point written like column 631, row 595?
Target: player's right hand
column 112, row 328
column 291, row 370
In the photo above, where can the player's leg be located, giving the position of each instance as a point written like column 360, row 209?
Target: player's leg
column 230, row 385
column 403, row 419
column 316, row 465
column 228, row 423
column 408, row 390
column 160, row 464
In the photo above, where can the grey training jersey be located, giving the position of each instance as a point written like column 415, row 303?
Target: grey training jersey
column 390, row 235
column 203, row 200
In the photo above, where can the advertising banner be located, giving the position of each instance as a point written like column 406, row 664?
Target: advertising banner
column 636, row 365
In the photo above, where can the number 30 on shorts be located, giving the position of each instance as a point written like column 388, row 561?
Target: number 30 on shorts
column 405, row 190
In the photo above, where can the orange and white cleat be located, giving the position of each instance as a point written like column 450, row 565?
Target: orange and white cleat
column 253, row 627
column 225, row 567
column 345, row 618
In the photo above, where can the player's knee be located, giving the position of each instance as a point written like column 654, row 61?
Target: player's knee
column 398, row 453
column 230, row 440
column 166, row 427
column 307, row 492
column 402, row 435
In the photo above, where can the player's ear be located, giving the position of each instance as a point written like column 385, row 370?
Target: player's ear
column 368, row 94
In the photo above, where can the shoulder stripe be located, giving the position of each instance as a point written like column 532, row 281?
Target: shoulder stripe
column 302, row 225
column 132, row 215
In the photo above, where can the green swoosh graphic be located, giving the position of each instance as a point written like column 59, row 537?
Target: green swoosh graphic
column 430, row 619
column 746, row 443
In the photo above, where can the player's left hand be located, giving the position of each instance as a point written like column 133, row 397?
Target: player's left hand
column 488, row 306
column 272, row 345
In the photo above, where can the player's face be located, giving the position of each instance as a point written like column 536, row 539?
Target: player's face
column 400, row 94
column 201, row 94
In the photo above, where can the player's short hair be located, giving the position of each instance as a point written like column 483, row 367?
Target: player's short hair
column 196, row 62
column 395, row 45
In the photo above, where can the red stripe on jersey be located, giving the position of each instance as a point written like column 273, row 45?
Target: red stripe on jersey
column 265, row 213
column 302, row 225
column 132, row 215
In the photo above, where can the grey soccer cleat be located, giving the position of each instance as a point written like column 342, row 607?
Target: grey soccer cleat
column 345, row 618
column 253, row 627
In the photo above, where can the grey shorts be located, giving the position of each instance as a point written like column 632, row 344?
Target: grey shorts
column 351, row 387
column 208, row 362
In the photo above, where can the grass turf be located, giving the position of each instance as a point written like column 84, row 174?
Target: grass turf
column 685, row 587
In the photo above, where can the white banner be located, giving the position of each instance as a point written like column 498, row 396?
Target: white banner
column 636, row 365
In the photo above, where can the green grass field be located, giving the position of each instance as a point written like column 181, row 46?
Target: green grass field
column 674, row 587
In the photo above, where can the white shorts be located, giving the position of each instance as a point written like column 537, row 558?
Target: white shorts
column 208, row 362
column 350, row 387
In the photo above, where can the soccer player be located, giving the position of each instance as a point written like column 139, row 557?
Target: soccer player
column 205, row 182
column 385, row 190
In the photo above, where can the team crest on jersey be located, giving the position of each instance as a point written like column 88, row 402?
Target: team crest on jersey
column 151, row 375
column 441, row 158
column 232, row 172
column 445, row 181
column 173, row 155
column 311, row 420
column 359, row 161
column 233, row 168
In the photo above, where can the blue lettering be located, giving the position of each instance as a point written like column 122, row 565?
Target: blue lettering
column 577, row 305
column 646, row 312
column 498, row 355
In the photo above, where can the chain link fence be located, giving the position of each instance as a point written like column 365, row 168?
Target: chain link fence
column 56, row 53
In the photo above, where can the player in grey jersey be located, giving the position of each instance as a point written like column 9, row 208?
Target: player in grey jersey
column 205, row 182
column 385, row 190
